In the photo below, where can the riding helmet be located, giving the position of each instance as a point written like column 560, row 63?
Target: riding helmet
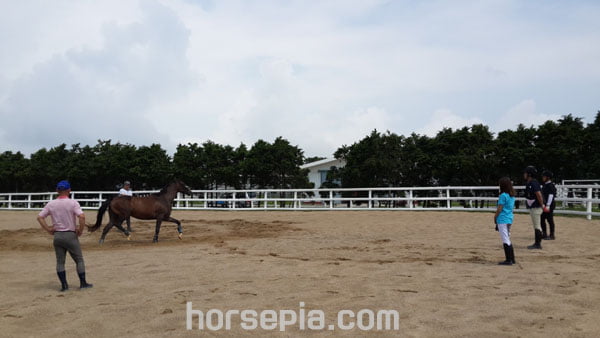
column 530, row 170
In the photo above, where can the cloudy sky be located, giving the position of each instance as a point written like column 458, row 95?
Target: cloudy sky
column 319, row 73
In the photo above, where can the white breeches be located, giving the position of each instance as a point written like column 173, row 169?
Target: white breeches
column 504, row 230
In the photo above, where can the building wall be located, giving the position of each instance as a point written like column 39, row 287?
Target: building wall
column 317, row 173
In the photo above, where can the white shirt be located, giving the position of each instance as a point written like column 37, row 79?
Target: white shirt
column 125, row 192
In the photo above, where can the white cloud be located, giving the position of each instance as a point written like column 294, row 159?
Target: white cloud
column 85, row 94
column 318, row 73
column 523, row 113
column 444, row 118
column 353, row 127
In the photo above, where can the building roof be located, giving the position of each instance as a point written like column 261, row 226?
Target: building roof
column 320, row 163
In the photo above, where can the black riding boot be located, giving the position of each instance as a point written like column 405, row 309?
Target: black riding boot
column 544, row 232
column 83, row 284
column 511, row 251
column 551, row 221
column 62, row 276
column 508, row 260
column 538, row 240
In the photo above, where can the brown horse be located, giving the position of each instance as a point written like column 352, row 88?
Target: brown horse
column 156, row 206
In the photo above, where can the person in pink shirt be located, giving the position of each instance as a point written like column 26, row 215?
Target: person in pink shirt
column 64, row 213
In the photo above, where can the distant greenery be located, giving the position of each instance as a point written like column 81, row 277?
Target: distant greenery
column 472, row 155
column 202, row 166
column 468, row 156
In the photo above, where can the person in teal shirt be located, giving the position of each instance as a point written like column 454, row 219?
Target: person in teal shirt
column 504, row 218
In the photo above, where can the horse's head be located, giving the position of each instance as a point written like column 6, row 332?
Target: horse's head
column 182, row 187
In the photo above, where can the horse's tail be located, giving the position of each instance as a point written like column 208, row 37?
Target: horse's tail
column 105, row 205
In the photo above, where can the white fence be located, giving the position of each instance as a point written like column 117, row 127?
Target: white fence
column 572, row 199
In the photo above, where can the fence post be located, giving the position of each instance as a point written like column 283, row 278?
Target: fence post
column 589, row 203
column 10, row 201
column 295, row 199
column 330, row 199
column 265, row 197
column 370, row 196
column 448, row 204
column 233, row 200
column 29, row 201
column 205, row 199
column 410, row 201
column 99, row 200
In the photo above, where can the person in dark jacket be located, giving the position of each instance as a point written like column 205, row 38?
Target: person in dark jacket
column 534, row 203
column 549, row 195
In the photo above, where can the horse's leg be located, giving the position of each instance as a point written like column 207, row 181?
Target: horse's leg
column 179, row 228
column 119, row 226
column 129, row 224
column 157, row 230
column 105, row 231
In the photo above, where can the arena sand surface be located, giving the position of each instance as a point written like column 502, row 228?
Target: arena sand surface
column 438, row 269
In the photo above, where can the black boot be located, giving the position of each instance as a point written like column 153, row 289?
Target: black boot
column 82, row 282
column 538, row 240
column 551, row 230
column 508, row 261
column 544, row 233
column 511, row 251
column 62, row 275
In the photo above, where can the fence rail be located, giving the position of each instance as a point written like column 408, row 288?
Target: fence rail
column 572, row 199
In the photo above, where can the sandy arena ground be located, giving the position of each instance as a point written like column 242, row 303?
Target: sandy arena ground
column 438, row 269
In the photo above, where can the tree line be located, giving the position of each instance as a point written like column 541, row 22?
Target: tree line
column 467, row 156
column 471, row 156
column 202, row 166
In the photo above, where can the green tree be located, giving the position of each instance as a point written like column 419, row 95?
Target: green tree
column 14, row 172
column 417, row 162
column 515, row 149
column 276, row 165
column 113, row 164
column 48, row 167
column 560, row 147
column 188, row 165
column 374, row 161
column 589, row 150
column 150, row 167
column 464, row 156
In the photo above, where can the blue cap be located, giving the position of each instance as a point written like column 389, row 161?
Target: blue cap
column 63, row 185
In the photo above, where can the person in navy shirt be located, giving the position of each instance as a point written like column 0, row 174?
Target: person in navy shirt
column 504, row 218
column 534, row 203
column 549, row 194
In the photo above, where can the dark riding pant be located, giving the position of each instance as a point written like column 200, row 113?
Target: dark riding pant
column 67, row 241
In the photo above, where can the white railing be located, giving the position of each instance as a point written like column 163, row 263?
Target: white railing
column 572, row 199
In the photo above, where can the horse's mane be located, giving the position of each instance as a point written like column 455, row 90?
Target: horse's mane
column 163, row 190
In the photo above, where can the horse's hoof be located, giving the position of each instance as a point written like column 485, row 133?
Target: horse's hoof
column 155, row 240
column 128, row 237
column 180, row 235
column 101, row 242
